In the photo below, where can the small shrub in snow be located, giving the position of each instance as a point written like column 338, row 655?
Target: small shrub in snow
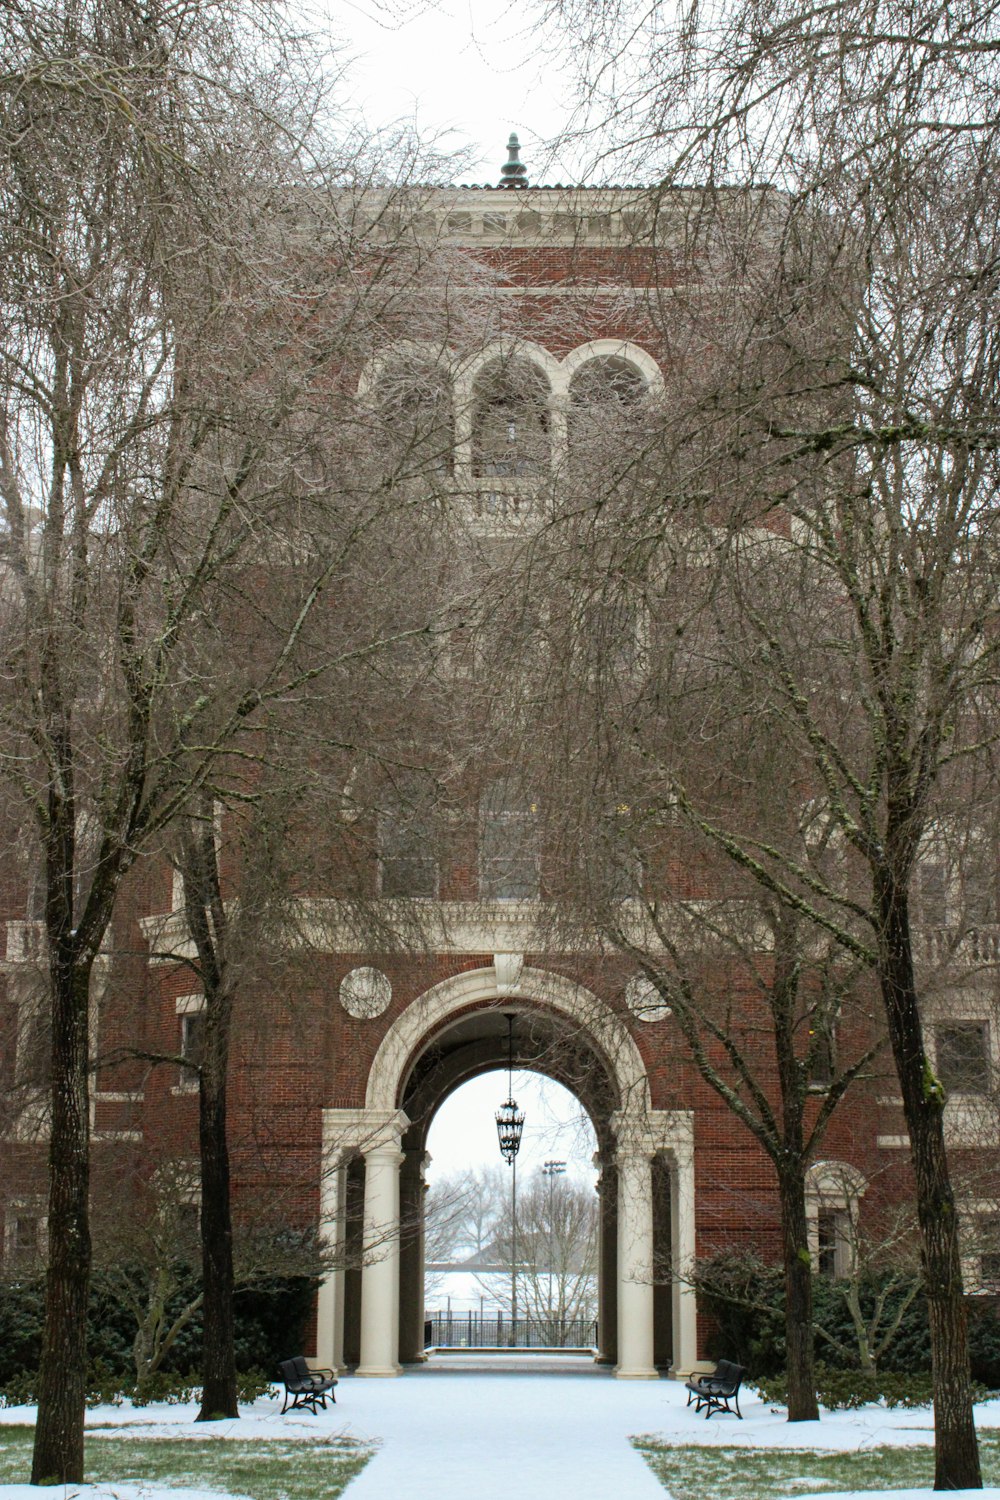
column 846, row 1390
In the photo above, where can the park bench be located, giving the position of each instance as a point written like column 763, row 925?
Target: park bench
column 715, row 1391
column 304, row 1388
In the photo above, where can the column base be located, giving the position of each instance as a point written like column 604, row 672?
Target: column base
column 642, row 1374
column 378, row 1372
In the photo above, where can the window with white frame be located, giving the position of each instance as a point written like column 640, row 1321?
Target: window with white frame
column 509, row 843
column 191, row 1029
column 822, row 1049
column 834, row 1190
column 832, row 1243
column 963, row 1057
column 415, row 406
column 24, row 1235
column 606, row 399
column 989, row 1252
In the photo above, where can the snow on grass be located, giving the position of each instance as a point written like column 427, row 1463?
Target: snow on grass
column 454, row 1431
column 239, row 1467
column 774, row 1473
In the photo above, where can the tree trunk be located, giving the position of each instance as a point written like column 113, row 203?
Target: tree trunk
column 58, row 1451
column 218, row 1397
column 799, row 1346
column 956, row 1453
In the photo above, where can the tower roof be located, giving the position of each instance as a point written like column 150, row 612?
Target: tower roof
column 513, row 174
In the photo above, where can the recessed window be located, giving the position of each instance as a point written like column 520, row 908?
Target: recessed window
column 829, row 1243
column 415, row 406
column 24, row 1240
column 508, row 844
column 963, row 1063
column 979, row 898
column 821, row 1052
column 408, row 865
column 192, row 1040
column 617, row 626
column 605, row 409
column 933, row 888
column 510, row 423
column 989, row 1255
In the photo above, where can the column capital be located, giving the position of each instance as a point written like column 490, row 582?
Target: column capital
column 633, row 1137
column 350, row 1131
column 384, row 1151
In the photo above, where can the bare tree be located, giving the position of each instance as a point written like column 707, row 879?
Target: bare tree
column 175, row 336
column 556, row 1244
column 867, row 408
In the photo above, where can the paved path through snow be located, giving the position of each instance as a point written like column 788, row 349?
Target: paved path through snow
column 535, row 1435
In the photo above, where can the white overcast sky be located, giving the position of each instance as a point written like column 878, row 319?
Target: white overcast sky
column 465, row 71
column 464, row 1133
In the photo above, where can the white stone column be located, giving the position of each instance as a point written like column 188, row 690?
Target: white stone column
column 635, row 1261
column 682, row 1250
column 330, row 1300
column 380, row 1267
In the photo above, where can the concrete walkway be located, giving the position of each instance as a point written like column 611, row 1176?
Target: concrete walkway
column 536, row 1428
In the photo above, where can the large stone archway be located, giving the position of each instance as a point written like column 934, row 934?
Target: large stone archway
column 431, row 1048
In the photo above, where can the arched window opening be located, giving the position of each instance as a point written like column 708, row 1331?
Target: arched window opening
column 416, row 423
column 510, row 422
column 607, row 401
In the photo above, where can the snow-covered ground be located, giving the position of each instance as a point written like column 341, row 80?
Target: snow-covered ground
column 542, row 1430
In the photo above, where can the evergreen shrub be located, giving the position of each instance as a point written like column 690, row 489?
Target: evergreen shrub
column 746, row 1300
column 270, row 1325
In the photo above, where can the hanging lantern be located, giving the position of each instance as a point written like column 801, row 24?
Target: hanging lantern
column 510, row 1124
column 510, row 1119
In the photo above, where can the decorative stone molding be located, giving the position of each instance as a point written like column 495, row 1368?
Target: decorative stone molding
column 432, row 1009
column 508, row 968
column 365, row 993
column 644, row 1000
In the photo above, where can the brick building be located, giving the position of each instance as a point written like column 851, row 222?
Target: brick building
column 349, row 1055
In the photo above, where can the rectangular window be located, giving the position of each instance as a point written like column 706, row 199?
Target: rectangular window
column 24, row 1245
column 614, row 634
column 508, row 845
column 830, row 1243
column 821, row 1054
column 989, row 1255
column 192, row 1040
column 933, row 885
column 407, row 864
column 963, row 1063
column 980, row 899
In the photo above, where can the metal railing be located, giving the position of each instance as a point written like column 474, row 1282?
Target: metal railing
column 474, row 1330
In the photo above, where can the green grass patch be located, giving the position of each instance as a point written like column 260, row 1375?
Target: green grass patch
column 264, row 1469
column 691, row 1473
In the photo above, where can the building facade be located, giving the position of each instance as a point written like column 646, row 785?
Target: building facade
column 351, row 1050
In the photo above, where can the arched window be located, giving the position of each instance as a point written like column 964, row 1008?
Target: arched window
column 607, row 397
column 414, row 413
column 510, row 421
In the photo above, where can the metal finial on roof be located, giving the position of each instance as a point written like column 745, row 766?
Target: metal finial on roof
column 514, row 174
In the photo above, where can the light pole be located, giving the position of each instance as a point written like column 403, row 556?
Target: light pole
column 552, row 1170
column 510, row 1125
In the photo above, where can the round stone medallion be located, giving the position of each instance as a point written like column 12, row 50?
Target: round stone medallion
column 644, row 999
column 365, row 993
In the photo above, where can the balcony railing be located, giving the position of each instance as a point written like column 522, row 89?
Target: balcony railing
column 976, row 945
column 473, row 1330
column 25, row 942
